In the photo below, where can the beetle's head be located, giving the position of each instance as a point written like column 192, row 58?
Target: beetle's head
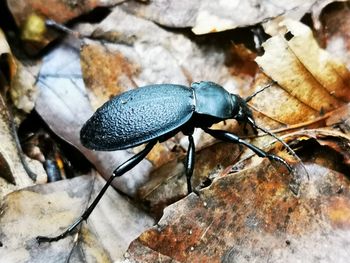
column 241, row 112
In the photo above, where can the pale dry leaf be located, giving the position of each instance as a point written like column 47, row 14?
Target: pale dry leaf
column 106, row 72
column 305, row 72
column 331, row 73
column 205, row 16
column 23, row 90
column 64, row 106
column 163, row 56
column 10, row 156
column 48, row 209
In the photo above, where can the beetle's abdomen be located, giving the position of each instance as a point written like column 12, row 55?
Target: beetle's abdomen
column 138, row 116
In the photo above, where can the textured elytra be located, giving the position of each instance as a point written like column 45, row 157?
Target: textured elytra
column 138, row 116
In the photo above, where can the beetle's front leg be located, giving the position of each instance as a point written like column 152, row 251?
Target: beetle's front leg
column 230, row 137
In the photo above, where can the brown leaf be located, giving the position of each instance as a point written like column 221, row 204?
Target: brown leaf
column 24, row 92
column 30, row 17
column 48, row 209
column 340, row 117
column 106, row 72
column 334, row 31
column 253, row 214
column 337, row 141
column 168, row 183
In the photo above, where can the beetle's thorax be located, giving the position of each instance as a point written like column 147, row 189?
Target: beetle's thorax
column 212, row 100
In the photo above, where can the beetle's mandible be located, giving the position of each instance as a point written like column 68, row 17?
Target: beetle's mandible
column 155, row 113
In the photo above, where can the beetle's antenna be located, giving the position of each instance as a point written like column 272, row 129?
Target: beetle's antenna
column 260, row 90
column 252, row 122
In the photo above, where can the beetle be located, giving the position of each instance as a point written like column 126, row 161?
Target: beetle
column 155, row 113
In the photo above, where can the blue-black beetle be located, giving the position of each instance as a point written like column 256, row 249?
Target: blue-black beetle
column 155, row 113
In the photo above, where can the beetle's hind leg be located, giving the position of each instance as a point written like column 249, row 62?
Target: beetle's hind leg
column 119, row 171
column 230, row 137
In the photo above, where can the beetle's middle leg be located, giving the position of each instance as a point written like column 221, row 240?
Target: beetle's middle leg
column 190, row 162
column 119, row 171
column 230, row 137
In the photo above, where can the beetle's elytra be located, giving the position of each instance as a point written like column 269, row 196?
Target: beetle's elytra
column 159, row 111
column 155, row 113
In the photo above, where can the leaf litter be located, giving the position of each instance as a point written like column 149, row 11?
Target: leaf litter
column 264, row 208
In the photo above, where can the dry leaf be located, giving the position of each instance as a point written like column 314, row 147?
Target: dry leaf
column 334, row 33
column 23, row 90
column 313, row 83
column 106, row 72
column 11, row 164
column 48, row 209
column 252, row 215
column 248, row 216
column 168, row 183
column 30, row 17
column 206, row 16
column 64, row 106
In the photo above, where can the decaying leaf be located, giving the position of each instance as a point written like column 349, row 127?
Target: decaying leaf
column 49, row 209
column 340, row 118
column 11, row 163
column 252, row 215
column 30, row 17
column 168, row 183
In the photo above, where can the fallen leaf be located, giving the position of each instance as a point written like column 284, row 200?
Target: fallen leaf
column 168, row 183
column 207, row 17
column 321, row 7
column 106, row 72
column 11, row 157
column 341, row 118
column 48, row 209
column 30, row 17
column 253, row 215
column 23, row 90
column 313, row 83
column 64, row 106
column 333, row 30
